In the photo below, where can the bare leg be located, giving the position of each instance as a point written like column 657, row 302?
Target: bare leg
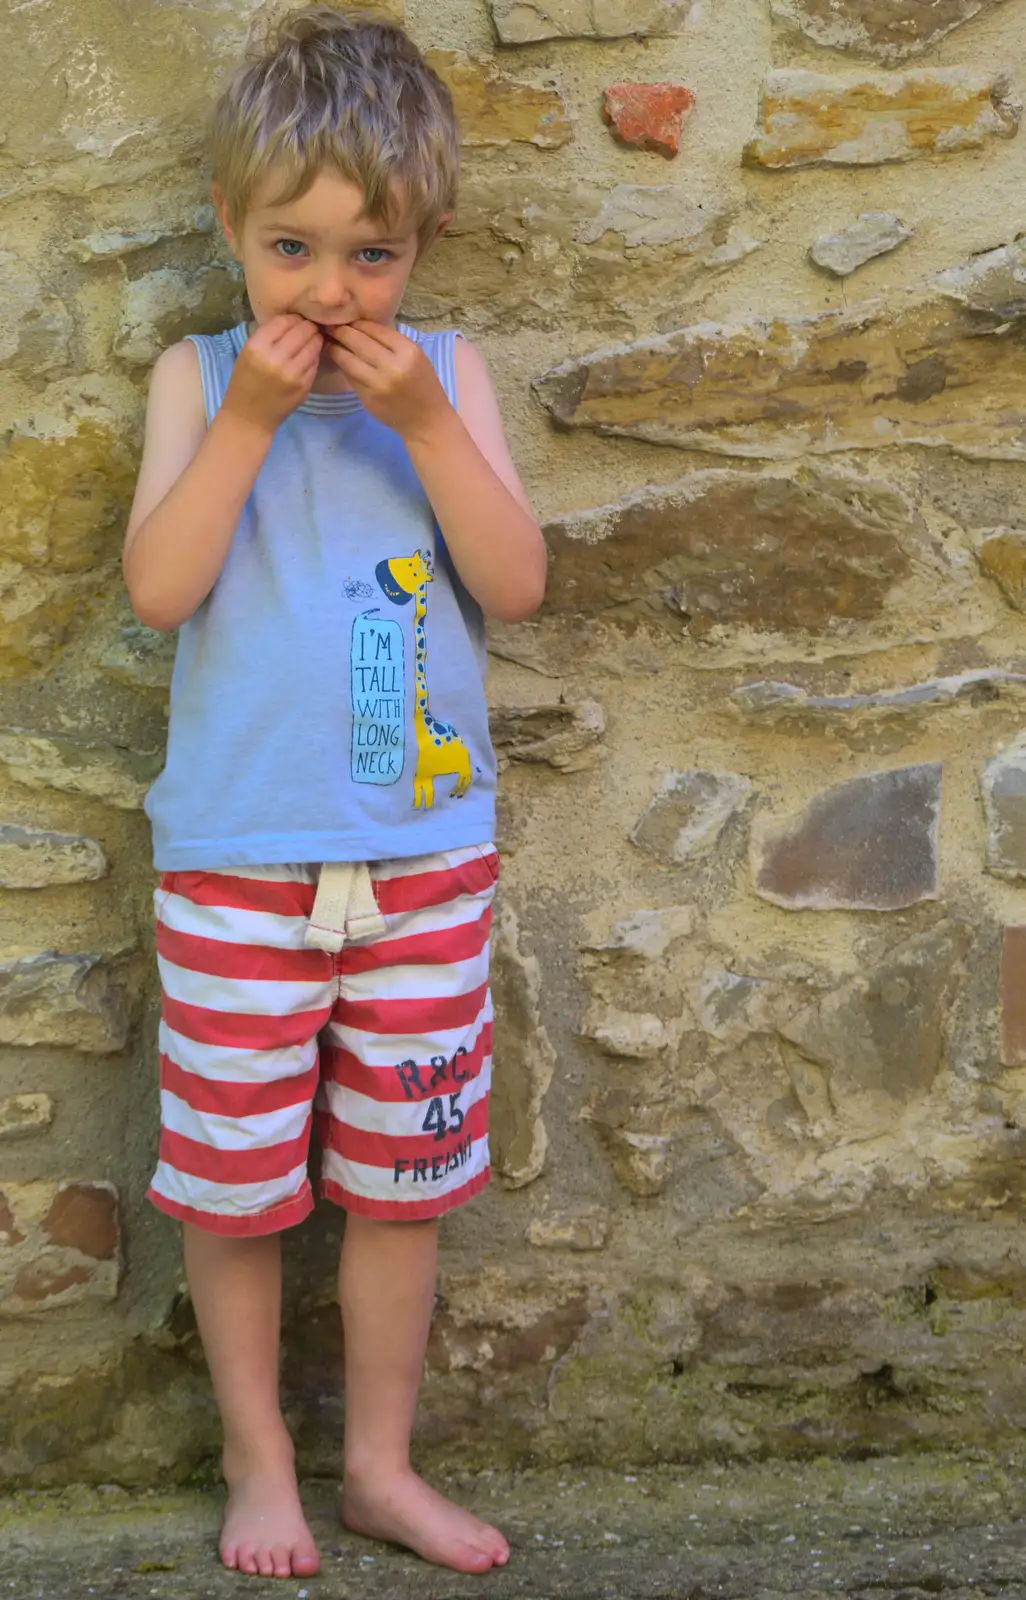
column 236, row 1290
column 386, row 1290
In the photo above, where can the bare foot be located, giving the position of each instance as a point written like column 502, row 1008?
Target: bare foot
column 265, row 1532
column 401, row 1507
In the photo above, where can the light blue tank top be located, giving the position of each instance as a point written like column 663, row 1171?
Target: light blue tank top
column 327, row 702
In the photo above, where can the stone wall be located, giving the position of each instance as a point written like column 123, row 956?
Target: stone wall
column 761, row 944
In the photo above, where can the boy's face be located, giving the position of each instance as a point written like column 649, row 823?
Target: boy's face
column 320, row 256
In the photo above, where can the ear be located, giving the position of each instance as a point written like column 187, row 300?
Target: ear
column 221, row 207
column 442, row 225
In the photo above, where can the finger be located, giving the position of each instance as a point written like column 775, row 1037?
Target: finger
column 352, row 366
column 271, row 331
column 297, row 338
column 381, row 332
column 359, row 343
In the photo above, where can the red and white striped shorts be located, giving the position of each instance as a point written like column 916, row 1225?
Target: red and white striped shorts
column 388, row 1041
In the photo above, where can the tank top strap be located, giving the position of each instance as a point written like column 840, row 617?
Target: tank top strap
column 217, row 353
column 440, row 349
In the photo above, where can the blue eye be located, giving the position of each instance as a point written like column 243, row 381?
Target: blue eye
column 378, row 254
column 290, row 248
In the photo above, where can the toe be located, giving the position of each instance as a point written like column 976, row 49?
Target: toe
column 229, row 1556
column 281, row 1561
column 492, row 1543
column 475, row 1559
column 247, row 1561
column 305, row 1563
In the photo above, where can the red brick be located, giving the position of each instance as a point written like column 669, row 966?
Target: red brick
column 648, row 116
column 84, row 1216
column 42, row 1281
column 1013, row 997
column 9, row 1231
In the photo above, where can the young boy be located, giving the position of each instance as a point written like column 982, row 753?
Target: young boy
column 327, row 508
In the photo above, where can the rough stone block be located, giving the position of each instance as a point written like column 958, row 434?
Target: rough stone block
column 84, row 1001
column 1003, row 786
column 882, row 1037
column 776, row 704
column 82, row 766
column 31, row 858
column 648, row 116
column 810, row 119
column 66, row 480
column 35, row 326
column 1001, row 553
column 524, row 1058
column 584, row 1229
column 114, row 243
column 163, row 305
column 1012, row 997
column 919, row 369
column 867, row 845
column 561, row 734
column 654, row 1140
column 36, row 613
column 649, row 216
column 524, row 21
column 891, row 32
column 720, row 549
column 637, row 1035
column 22, row 1115
column 494, row 109
column 527, row 248
column 142, row 659
column 59, row 1245
column 642, row 1161
column 107, row 102
column 874, row 233
column 647, row 934
column 687, row 814
column 730, row 1005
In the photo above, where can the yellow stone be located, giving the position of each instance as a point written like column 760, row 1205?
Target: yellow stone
column 1002, row 556
column 933, row 367
column 809, row 119
column 64, row 502
column 36, row 611
column 64, row 498
column 496, row 110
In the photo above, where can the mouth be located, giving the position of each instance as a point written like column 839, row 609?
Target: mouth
column 329, row 329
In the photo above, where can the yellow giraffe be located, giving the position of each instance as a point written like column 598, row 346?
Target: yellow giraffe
column 440, row 750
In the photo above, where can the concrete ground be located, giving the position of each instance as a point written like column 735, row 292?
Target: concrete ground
column 903, row 1529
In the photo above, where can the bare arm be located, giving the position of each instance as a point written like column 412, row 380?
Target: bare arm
column 462, row 460
column 195, row 480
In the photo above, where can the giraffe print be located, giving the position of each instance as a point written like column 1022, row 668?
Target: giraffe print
column 440, row 750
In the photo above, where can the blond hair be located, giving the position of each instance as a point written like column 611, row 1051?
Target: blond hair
column 346, row 91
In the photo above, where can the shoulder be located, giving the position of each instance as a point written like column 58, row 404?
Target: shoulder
column 175, row 406
column 177, row 371
column 473, row 380
column 468, row 359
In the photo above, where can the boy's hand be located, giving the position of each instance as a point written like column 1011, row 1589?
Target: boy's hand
column 391, row 375
column 274, row 371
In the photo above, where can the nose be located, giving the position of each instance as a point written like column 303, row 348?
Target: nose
column 330, row 290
